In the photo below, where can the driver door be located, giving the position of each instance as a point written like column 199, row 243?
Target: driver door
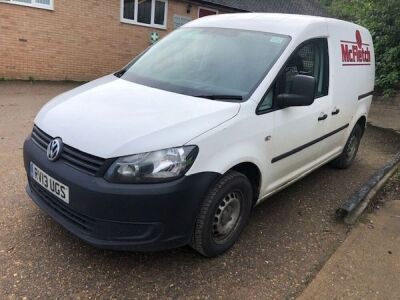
column 298, row 133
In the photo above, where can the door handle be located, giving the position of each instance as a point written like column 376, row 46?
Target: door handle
column 322, row 117
column 335, row 111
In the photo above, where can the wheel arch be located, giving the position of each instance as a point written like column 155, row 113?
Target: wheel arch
column 253, row 173
column 362, row 121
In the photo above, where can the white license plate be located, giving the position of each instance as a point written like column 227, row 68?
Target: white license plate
column 55, row 187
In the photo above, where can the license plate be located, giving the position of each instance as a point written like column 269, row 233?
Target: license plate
column 55, row 187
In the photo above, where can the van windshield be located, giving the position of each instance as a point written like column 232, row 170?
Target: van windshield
column 208, row 62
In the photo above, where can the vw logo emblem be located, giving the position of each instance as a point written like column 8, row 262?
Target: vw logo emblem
column 54, row 149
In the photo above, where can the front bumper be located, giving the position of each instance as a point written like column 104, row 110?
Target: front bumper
column 120, row 216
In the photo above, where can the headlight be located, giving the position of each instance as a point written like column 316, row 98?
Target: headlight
column 150, row 167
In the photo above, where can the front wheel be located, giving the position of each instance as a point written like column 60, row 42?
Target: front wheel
column 223, row 215
column 349, row 153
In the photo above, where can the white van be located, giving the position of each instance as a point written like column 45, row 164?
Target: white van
column 180, row 145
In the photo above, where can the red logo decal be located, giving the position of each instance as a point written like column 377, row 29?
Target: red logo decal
column 355, row 53
column 358, row 39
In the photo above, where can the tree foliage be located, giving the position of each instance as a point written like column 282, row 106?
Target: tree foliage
column 382, row 19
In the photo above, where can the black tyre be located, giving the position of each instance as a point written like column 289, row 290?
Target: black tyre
column 223, row 215
column 350, row 149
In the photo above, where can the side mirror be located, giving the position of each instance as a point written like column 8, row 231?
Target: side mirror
column 302, row 92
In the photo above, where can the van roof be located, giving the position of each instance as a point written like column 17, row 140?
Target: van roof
column 287, row 24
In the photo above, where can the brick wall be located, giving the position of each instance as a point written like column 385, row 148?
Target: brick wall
column 79, row 40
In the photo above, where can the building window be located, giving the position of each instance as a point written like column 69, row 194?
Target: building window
column 204, row 12
column 45, row 4
column 151, row 13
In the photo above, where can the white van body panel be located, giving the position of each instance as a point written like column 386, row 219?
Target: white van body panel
column 111, row 117
column 293, row 25
column 245, row 143
column 350, row 80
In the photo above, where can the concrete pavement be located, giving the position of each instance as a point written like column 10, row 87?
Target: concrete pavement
column 367, row 264
column 385, row 113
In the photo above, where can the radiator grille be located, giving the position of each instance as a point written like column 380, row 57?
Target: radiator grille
column 82, row 161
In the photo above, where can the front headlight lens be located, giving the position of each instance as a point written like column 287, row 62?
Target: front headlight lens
column 151, row 167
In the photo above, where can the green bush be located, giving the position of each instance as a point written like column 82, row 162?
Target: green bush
column 382, row 18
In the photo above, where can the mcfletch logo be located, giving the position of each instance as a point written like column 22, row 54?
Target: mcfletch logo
column 355, row 53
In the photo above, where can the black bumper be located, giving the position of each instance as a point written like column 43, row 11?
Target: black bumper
column 119, row 216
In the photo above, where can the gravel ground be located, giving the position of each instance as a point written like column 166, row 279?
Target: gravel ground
column 285, row 244
column 390, row 192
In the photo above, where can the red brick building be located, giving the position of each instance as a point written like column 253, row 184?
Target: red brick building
column 82, row 40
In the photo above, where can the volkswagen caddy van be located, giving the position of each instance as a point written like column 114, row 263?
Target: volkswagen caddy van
column 178, row 147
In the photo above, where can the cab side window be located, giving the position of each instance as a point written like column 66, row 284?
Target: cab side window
column 267, row 101
column 312, row 60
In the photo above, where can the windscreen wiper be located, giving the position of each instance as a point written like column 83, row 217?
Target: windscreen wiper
column 221, row 97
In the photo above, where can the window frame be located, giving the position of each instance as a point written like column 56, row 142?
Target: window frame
column 278, row 76
column 152, row 16
column 206, row 8
column 33, row 5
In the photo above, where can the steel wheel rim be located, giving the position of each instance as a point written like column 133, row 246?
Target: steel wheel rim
column 352, row 147
column 226, row 217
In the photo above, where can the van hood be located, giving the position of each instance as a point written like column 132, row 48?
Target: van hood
column 111, row 117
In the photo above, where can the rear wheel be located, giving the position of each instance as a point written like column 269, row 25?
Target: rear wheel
column 349, row 153
column 223, row 215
